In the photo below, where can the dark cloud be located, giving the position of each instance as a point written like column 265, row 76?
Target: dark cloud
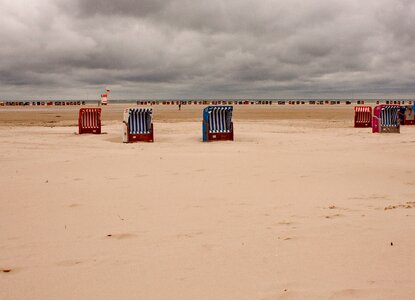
column 120, row 7
column 217, row 48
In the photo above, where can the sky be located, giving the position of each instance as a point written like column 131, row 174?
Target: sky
column 195, row 49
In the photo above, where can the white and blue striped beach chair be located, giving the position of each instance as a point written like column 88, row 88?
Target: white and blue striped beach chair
column 138, row 125
column 217, row 123
column 386, row 119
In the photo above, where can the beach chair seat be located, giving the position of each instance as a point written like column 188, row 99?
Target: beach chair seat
column 386, row 119
column 138, row 125
column 217, row 123
column 89, row 120
column 362, row 116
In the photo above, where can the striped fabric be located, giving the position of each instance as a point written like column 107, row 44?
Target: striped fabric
column 389, row 116
column 220, row 119
column 139, row 120
column 363, row 114
column 90, row 118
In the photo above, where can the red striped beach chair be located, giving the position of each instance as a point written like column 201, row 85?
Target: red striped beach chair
column 89, row 120
column 362, row 116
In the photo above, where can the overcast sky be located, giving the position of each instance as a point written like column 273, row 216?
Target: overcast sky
column 207, row 48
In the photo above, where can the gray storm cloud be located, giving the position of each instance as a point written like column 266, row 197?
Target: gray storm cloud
column 207, row 49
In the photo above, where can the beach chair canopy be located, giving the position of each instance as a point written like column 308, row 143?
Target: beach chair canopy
column 363, row 116
column 219, row 118
column 139, row 120
column 389, row 115
column 90, row 117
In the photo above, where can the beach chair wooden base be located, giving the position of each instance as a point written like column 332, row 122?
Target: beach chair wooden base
column 138, row 137
column 218, row 136
column 146, row 137
column 90, row 130
column 390, row 129
column 362, row 125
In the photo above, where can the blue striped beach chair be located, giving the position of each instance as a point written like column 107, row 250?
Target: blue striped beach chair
column 386, row 119
column 138, row 125
column 217, row 123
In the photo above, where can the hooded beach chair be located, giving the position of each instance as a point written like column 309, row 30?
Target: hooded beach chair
column 217, row 123
column 138, row 125
column 386, row 119
column 89, row 120
column 362, row 116
column 406, row 115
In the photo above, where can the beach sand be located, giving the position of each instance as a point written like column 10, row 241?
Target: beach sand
column 300, row 206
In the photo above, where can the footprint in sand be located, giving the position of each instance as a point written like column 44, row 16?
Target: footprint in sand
column 409, row 204
column 6, row 270
column 287, row 238
column 196, row 206
column 284, row 223
column 121, row 236
column 69, row 263
column 140, row 175
column 369, row 197
column 189, row 235
column 334, row 216
column 350, row 294
column 333, row 207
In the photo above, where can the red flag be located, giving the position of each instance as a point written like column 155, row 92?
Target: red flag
column 108, row 91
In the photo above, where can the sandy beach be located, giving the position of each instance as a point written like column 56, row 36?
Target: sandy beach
column 300, row 206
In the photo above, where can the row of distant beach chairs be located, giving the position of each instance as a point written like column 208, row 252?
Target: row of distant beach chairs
column 206, row 102
column 138, row 123
column 385, row 118
column 217, row 122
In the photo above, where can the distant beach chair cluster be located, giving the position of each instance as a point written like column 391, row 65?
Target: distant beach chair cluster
column 386, row 118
